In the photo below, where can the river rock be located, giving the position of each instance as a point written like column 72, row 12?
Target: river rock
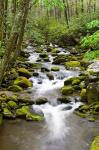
column 64, row 99
column 23, row 82
column 73, row 65
column 67, row 90
column 41, row 100
column 92, row 92
column 59, row 59
column 94, row 68
column 55, row 68
column 15, row 88
column 24, row 72
column 50, row 76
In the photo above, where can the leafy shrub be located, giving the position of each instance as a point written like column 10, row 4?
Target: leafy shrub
column 93, row 24
column 91, row 41
column 91, row 55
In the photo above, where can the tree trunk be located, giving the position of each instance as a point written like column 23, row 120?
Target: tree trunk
column 1, row 19
column 16, row 36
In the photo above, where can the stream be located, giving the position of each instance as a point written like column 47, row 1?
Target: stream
column 61, row 129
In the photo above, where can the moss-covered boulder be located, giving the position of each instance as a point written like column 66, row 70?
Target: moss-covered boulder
column 76, row 82
column 15, row 88
column 83, row 95
column 12, row 104
column 64, row 99
column 55, row 68
column 7, row 113
column 72, row 64
column 95, row 144
column 59, row 59
column 92, row 92
column 43, row 55
column 67, row 90
column 24, row 72
column 24, row 112
column 46, row 59
column 45, row 69
column 23, row 82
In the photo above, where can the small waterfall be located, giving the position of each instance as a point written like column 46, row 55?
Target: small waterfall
column 56, row 117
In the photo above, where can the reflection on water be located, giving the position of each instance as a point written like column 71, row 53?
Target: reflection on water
column 22, row 135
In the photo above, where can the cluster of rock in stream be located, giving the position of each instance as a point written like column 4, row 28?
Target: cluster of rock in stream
column 15, row 99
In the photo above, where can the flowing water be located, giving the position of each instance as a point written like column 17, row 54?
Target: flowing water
column 61, row 129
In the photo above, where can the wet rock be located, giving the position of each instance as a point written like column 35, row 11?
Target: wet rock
column 83, row 95
column 7, row 113
column 72, row 64
column 44, row 69
column 67, row 108
column 12, row 104
column 46, row 59
column 15, row 88
column 73, row 51
column 92, row 92
column 55, row 68
column 23, row 82
column 50, row 76
column 76, row 82
column 94, row 68
column 41, row 100
column 24, row 113
column 37, row 111
column 36, row 74
column 67, row 90
column 64, row 99
column 43, row 55
column 24, row 72
column 39, row 81
column 59, row 59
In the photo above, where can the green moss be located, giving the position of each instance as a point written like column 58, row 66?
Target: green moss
column 12, row 98
column 43, row 55
column 15, row 88
column 7, row 113
column 12, row 104
column 82, row 115
column 76, row 82
column 72, row 64
column 24, row 112
column 36, row 65
column 67, row 90
column 3, row 99
column 46, row 59
column 55, row 68
column 95, row 144
column 23, row 82
column 83, row 94
column 24, row 72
